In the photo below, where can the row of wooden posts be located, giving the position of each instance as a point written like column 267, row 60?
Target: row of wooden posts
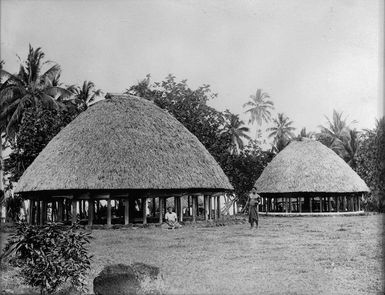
column 66, row 208
column 296, row 204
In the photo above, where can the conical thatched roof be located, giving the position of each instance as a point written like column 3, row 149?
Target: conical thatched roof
column 124, row 143
column 309, row 166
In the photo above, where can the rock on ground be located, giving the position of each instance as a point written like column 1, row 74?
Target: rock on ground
column 135, row 279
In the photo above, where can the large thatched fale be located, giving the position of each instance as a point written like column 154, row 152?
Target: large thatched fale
column 124, row 143
column 307, row 169
column 123, row 149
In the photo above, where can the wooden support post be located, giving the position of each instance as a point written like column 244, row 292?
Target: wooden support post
column 30, row 212
column 74, row 211
column 188, row 206
column 219, row 207
column 210, row 208
column 320, row 204
column 180, row 209
column 300, row 205
column 60, row 210
column 153, row 207
column 286, row 206
column 165, row 205
column 40, row 212
column 206, row 205
column 144, row 209
column 359, row 202
column 337, row 200
column 344, row 201
column 290, row 204
column 90, row 212
column 351, row 203
column 109, row 212
column 266, row 205
column 194, row 209
column 160, row 209
column 329, row 204
column 311, row 204
column 127, row 211
column 215, row 208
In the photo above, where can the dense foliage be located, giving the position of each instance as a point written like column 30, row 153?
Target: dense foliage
column 37, row 128
column 370, row 165
column 49, row 256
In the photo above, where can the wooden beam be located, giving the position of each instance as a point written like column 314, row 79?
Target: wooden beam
column 320, row 204
column 219, row 206
column 329, row 205
column 144, row 209
column 109, row 212
column 74, row 211
column 127, row 212
column 359, row 202
column 197, row 204
column 161, row 209
column 194, row 209
column 91, row 212
column 311, row 204
column 286, row 206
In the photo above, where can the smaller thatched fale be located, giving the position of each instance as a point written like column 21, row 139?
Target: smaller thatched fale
column 309, row 166
column 306, row 175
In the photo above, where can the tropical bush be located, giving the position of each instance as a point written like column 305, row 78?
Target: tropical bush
column 49, row 256
column 371, row 165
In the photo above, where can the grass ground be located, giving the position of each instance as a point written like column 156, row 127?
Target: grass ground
column 304, row 255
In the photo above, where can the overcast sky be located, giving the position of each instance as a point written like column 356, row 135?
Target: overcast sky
column 311, row 56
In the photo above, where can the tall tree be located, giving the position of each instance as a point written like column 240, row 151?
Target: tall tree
column 259, row 107
column 281, row 132
column 235, row 128
column 29, row 88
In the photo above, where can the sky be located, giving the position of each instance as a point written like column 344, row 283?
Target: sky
column 310, row 56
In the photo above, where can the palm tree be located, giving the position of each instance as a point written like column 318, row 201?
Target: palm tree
column 236, row 130
column 259, row 107
column 338, row 136
column 29, row 88
column 84, row 96
column 304, row 134
column 282, row 131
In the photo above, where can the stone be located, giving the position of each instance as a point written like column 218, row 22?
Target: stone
column 117, row 279
column 135, row 279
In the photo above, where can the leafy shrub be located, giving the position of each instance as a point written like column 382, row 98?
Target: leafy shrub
column 49, row 255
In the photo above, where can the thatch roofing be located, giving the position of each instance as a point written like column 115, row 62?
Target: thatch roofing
column 309, row 166
column 124, row 143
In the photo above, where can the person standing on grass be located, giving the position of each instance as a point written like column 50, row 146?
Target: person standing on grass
column 172, row 219
column 253, row 206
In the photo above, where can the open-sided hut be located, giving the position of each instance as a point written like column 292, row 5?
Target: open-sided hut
column 306, row 176
column 123, row 148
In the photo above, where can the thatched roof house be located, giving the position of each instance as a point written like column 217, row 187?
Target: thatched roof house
column 123, row 144
column 307, row 168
